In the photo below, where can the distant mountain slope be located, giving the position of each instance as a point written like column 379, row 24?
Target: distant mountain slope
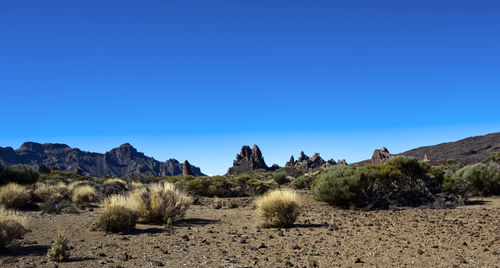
column 119, row 162
column 469, row 150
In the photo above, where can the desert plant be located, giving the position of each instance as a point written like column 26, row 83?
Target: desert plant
column 480, row 179
column 302, row 182
column 210, row 186
column 44, row 191
column 160, row 201
column 21, row 174
column 280, row 178
column 116, row 180
column 14, row 195
column 136, row 184
column 278, row 208
column 59, row 249
column 12, row 226
column 119, row 215
column 337, row 185
column 83, row 195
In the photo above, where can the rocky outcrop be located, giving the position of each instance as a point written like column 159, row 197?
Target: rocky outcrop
column 186, row 169
column 309, row 164
column 248, row 160
column 119, row 162
column 380, row 156
column 342, row 162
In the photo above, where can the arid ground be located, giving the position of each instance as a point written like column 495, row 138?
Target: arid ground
column 324, row 236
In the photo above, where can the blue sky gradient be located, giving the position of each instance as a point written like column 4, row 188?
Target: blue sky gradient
column 197, row 79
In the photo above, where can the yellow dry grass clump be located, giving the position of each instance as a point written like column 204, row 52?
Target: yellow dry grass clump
column 45, row 192
column 278, row 208
column 12, row 226
column 160, row 202
column 119, row 215
column 113, row 180
column 83, row 195
column 136, row 184
column 14, row 195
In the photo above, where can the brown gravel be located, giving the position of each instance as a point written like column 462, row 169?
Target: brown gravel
column 324, row 236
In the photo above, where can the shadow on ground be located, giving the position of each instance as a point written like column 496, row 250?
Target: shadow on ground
column 193, row 222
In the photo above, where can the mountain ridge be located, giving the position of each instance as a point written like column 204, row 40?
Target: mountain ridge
column 118, row 162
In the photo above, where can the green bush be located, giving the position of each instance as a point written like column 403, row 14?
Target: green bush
column 337, row 185
column 280, row 178
column 302, row 182
column 258, row 186
column 294, row 172
column 20, row 174
column 409, row 166
column 210, row 186
column 480, row 179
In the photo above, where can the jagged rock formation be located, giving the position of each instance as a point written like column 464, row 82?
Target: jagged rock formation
column 186, row 169
column 119, row 162
column 309, row 164
column 342, row 162
column 380, row 156
column 248, row 160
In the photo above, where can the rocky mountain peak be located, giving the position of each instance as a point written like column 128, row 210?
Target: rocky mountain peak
column 248, row 160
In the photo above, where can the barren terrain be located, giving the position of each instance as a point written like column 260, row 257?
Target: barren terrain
column 324, row 236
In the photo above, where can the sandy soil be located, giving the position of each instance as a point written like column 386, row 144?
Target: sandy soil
column 324, row 236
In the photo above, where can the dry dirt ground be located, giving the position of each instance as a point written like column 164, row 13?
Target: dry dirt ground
column 324, row 236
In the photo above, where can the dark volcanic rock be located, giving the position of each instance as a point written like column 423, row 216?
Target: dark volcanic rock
column 119, row 162
column 380, row 156
column 290, row 162
column 248, row 160
column 186, row 169
column 309, row 164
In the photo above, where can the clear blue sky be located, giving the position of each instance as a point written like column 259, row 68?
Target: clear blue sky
column 198, row 79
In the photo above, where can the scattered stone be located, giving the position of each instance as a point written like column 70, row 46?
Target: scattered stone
column 262, row 245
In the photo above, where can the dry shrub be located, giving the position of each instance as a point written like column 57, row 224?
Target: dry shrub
column 59, row 249
column 75, row 184
column 278, row 208
column 83, row 195
column 12, row 226
column 113, row 180
column 14, row 195
column 136, row 184
column 44, row 192
column 160, row 201
column 119, row 215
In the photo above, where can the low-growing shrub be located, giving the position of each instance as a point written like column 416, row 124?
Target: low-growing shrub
column 12, row 226
column 210, row 186
column 59, row 249
column 14, row 195
column 83, row 195
column 21, row 174
column 280, row 178
column 116, row 180
column 337, row 185
column 278, row 208
column 44, row 191
column 160, row 201
column 303, row 182
column 480, row 179
column 119, row 215
column 258, row 186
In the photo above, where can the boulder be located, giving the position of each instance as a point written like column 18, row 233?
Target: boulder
column 380, row 156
